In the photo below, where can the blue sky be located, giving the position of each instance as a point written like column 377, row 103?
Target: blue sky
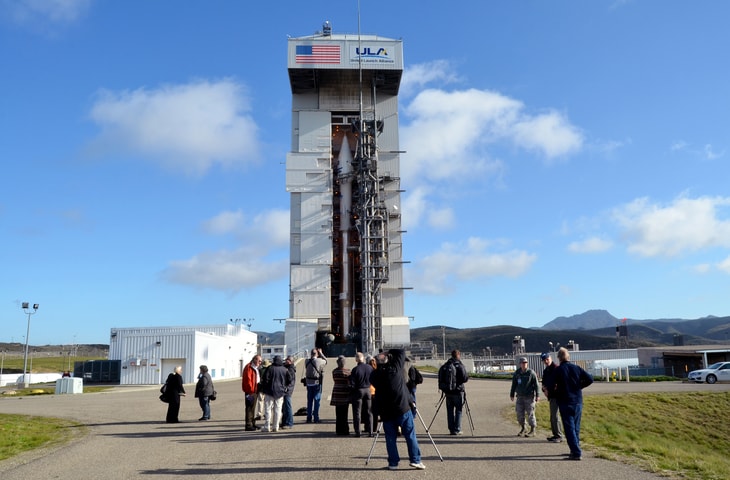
column 561, row 156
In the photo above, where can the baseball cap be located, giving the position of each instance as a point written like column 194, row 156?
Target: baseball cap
column 545, row 355
column 523, row 359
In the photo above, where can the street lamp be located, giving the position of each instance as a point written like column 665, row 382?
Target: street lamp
column 29, row 312
column 443, row 340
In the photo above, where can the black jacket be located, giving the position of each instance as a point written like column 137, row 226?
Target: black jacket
column 276, row 379
column 392, row 398
column 174, row 386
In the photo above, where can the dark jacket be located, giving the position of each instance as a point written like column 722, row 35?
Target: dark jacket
column 360, row 376
column 392, row 398
column 275, row 379
column 548, row 380
column 570, row 380
column 174, row 386
column 292, row 369
column 524, row 384
column 204, row 387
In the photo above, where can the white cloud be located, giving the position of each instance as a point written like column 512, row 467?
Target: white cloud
column 447, row 133
column 44, row 14
column 466, row 262
column 417, row 76
column 229, row 271
column 262, row 236
column 711, row 154
column 441, row 218
column 549, row 133
column 724, row 265
column 186, row 127
column 270, row 227
column 678, row 145
column 685, row 225
column 702, row 268
column 224, row 222
column 591, row 245
column 417, row 206
column 414, row 206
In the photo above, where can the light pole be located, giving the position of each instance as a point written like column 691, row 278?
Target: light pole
column 296, row 319
column 443, row 340
column 29, row 312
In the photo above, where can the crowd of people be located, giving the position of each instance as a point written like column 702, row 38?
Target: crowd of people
column 380, row 392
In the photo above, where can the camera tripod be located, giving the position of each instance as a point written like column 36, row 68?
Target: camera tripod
column 418, row 414
column 466, row 407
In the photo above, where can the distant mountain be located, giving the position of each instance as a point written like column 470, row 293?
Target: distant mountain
column 271, row 338
column 592, row 330
column 590, row 320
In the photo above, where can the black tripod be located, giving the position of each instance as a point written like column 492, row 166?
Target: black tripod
column 466, row 407
column 418, row 414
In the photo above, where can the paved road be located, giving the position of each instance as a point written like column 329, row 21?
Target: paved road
column 128, row 439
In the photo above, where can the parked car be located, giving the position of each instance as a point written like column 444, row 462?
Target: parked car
column 717, row 372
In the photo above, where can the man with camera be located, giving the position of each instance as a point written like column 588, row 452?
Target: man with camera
column 393, row 405
column 314, row 372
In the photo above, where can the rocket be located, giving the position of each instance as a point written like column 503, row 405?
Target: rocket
column 344, row 160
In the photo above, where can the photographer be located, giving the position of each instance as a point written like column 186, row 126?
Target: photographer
column 392, row 403
column 452, row 377
column 314, row 371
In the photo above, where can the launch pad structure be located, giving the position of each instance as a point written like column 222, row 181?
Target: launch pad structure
column 343, row 174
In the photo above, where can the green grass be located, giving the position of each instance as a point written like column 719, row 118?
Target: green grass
column 19, row 433
column 679, row 435
column 42, row 364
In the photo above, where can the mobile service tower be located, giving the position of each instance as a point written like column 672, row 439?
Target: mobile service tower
column 346, row 275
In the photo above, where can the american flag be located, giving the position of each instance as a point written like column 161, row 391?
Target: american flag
column 318, row 54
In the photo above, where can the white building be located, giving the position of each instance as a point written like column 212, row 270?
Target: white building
column 343, row 174
column 148, row 355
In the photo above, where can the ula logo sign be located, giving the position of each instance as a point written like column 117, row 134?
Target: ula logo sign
column 368, row 52
column 370, row 55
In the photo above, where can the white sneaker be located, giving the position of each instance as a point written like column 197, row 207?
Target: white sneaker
column 418, row 466
column 392, row 467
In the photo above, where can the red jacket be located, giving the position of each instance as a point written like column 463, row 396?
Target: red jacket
column 249, row 385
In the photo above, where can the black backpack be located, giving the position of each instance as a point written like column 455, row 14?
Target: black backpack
column 447, row 377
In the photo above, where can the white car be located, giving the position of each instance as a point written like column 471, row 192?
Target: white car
column 717, row 372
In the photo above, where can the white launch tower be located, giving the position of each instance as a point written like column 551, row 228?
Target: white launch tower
column 346, row 275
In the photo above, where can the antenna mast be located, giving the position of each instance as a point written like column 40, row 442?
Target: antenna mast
column 372, row 217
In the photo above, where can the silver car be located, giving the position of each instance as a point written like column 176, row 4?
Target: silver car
column 717, row 372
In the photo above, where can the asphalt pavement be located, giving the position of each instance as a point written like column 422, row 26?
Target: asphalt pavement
column 126, row 437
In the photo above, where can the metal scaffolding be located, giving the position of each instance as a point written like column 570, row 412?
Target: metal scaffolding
column 372, row 225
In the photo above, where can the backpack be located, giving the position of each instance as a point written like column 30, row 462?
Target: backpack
column 312, row 373
column 414, row 377
column 447, row 377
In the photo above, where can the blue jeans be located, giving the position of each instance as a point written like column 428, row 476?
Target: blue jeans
column 205, row 406
column 454, row 406
column 571, row 413
column 287, row 416
column 405, row 422
column 314, row 395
